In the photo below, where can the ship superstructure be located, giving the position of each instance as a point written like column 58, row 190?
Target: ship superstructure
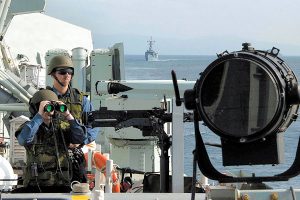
column 150, row 54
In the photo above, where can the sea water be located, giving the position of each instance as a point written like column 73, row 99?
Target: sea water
column 189, row 67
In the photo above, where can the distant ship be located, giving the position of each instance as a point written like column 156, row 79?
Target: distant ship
column 150, row 54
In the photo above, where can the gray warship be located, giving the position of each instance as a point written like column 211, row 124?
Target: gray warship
column 150, row 54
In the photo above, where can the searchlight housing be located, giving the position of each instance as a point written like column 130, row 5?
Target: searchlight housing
column 247, row 95
column 248, row 98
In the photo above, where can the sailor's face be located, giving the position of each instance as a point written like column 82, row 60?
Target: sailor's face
column 48, row 115
column 64, row 77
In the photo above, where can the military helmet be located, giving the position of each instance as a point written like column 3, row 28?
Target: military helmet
column 61, row 62
column 43, row 95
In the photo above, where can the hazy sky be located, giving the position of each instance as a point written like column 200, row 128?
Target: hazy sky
column 186, row 26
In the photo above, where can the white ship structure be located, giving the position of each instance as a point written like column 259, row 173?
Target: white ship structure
column 142, row 120
column 150, row 54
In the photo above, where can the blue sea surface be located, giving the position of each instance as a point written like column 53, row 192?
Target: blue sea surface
column 189, row 67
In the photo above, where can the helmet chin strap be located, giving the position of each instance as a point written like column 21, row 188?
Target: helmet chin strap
column 60, row 83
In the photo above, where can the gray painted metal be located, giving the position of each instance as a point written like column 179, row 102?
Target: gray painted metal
column 17, row 7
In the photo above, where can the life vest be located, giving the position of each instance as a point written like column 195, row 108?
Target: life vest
column 47, row 159
column 74, row 103
column 99, row 161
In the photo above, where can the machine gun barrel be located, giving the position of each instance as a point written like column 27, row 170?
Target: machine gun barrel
column 112, row 118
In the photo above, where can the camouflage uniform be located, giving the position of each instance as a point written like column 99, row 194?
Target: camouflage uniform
column 48, row 160
column 48, row 156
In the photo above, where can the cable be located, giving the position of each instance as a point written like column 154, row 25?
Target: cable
column 70, row 169
column 194, row 176
column 196, row 156
column 293, row 193
column 57, row 152
column 38, row 185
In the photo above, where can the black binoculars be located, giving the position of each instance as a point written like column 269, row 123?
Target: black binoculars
column 55, row 106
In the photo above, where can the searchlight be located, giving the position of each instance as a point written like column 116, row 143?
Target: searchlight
column 248, row 98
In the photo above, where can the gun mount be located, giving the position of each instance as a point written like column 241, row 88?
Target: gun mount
column 150, row 122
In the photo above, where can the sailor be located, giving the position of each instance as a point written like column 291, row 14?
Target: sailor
column 61, row 70
column 47, row 143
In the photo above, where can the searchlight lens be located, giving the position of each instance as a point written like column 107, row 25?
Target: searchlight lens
column 244, row 96
column 239, row 97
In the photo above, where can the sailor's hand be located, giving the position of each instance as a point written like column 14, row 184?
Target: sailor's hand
column 67, row 113
column 45, row 115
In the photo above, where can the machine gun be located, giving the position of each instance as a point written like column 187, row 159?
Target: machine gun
column 150, row 122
